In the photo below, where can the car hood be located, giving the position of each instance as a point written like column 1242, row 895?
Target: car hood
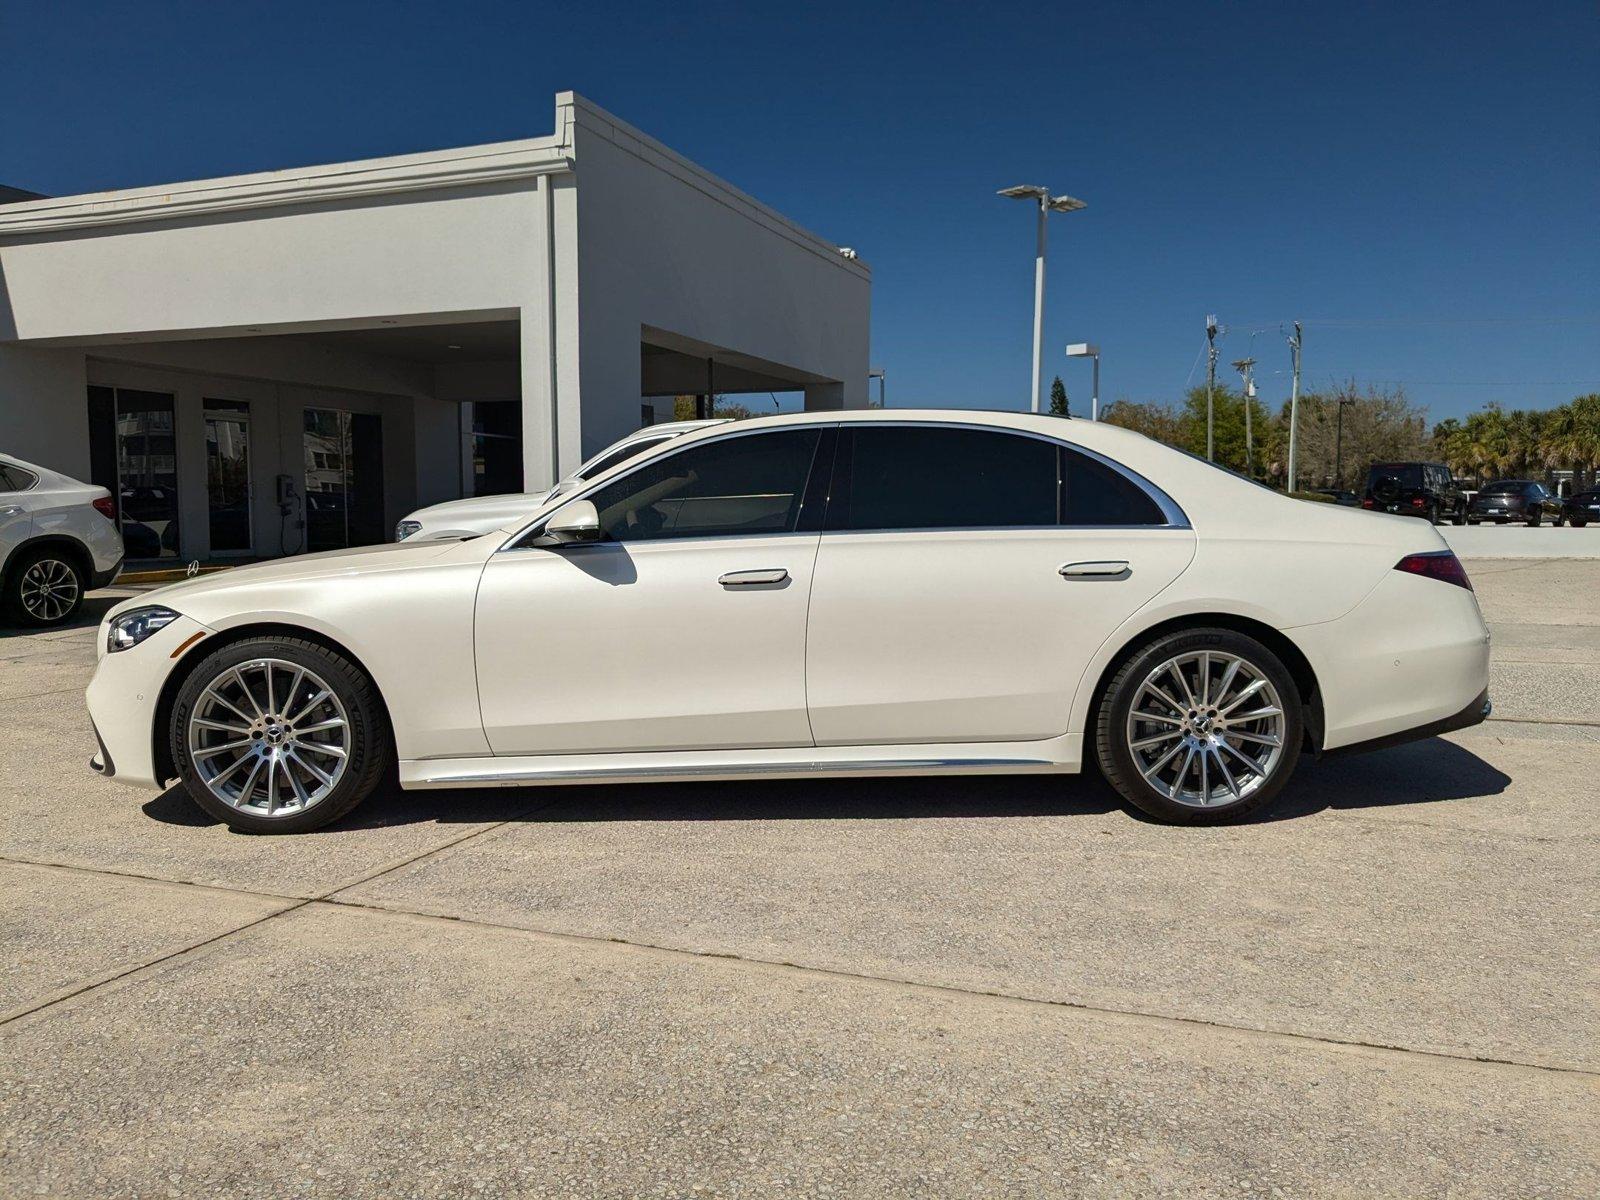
column 361, row 559
column 480, row 509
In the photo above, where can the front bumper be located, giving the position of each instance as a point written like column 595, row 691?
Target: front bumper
column 123, row 697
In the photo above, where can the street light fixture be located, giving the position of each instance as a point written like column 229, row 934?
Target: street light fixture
column 1089, row 350
column 883, row 384
column 1046, row 204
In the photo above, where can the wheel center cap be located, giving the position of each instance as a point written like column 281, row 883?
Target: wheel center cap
column 274, row 734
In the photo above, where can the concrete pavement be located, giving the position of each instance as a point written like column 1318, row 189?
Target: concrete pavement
column 912, row 987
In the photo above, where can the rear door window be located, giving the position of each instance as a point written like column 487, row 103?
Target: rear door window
column 941, row 477
column 945, row 477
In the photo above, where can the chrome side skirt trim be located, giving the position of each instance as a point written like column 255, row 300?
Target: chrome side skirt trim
column 422, row 773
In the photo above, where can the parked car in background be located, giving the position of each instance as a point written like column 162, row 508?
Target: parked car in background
column 1340, row 496
column 1507, row 500
column 480, row 514
column 1581, row 508
column 867, row 593
column 1415, row 489
column 58, row 539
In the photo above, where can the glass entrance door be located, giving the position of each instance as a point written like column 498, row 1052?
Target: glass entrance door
column 344, row 479
column 133, row 453
column 228, row 475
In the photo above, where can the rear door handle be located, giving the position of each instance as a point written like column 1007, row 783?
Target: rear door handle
column 1093, row 570
column 752, row 578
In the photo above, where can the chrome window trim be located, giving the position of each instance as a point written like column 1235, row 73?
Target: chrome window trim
column 1176, row 518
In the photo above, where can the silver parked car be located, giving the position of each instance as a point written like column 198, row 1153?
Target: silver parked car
column 58, row 539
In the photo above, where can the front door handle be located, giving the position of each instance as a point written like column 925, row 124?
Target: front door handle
column 10, row 510
column 753, row 578
column 1095, row 570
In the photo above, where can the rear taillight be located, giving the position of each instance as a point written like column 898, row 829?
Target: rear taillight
column 1419, row 502
column 1369, row 502
column 104, row 506
column 1436, row 564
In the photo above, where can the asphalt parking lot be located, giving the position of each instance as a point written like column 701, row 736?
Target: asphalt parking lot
column 978, row 986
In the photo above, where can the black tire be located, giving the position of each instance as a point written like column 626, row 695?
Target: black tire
column 1461, row 516
column 1433, row 515
column 1533, row 521
column 370, row 744
column 1578, row 524
column 1116, row 757
column 49, row 568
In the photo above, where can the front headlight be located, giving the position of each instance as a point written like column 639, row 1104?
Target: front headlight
column 133, row 626
column 405, row 529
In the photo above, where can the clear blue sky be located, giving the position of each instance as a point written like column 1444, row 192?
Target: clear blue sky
column 1420, row 182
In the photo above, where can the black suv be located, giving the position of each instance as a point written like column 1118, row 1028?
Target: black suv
column 1415, row 489
column 1515, row 500
column 1582, row 508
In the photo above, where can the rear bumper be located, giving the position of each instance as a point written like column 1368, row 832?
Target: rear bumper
column 1473, row 714
column 105, row 578
column 1414, row 655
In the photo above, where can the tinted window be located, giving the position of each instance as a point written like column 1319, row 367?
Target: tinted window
column 1093, row 494
column 15, row 479
column 1502, row 489
column 1407, row 474
column 907, row 477
column 752, row 485
column 620, row 455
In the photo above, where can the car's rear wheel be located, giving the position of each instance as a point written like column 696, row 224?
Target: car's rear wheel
column 1202, row 726
column 1533, row 521
column 279, row 735
column 1578, row 522
column 44, row 587
column 1461, row 516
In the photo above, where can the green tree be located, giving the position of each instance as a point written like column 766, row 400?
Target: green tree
column 1156, row 421
column 1228, row 420
column 1058, row 399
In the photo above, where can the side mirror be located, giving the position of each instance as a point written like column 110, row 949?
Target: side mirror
column 573, row 524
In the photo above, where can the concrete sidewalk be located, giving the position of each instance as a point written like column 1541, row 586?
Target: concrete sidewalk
column 983, row 986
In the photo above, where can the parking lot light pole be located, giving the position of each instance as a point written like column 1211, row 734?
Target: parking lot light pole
column 881, row 376
column 1046, row 204
column 1089, row 350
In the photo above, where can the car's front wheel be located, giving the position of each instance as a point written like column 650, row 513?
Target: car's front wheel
column 279, row 735
column 44, row 587
column 1202, row 726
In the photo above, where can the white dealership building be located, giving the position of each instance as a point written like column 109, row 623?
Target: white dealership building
column 292, row 360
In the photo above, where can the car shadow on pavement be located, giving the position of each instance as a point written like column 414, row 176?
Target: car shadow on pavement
column 1425, row 772
column 94, row 609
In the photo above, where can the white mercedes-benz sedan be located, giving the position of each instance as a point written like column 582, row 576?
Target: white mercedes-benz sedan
column 861, row 593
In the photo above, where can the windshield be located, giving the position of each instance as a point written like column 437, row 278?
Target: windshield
column 618, row 455
column 1506, row 487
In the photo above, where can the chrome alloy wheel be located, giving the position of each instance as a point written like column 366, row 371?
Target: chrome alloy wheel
column 49, row 589
column 1206, row 728
column 269, row 737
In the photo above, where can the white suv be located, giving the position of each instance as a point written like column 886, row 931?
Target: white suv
column 58, row 539
column 480, row 514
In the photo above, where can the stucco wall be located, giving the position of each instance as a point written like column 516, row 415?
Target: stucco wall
column 661, row 243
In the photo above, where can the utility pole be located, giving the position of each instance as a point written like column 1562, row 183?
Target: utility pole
column 1294, row 403
column 1244, row 366
column 1211, row 387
